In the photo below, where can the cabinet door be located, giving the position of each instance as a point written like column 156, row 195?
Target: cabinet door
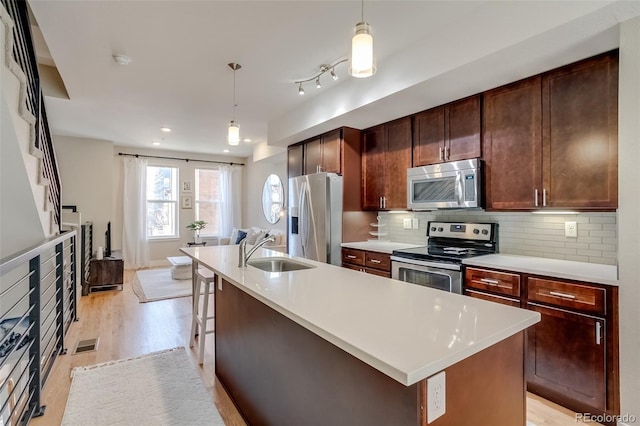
column 331, row 150
column 513, row 146
column 580, row 134
column 428, row 137
column 462, row 129
column 312, row 156
column 397, row 161
column 566, row 356
column 373, row 167
column 294, row 161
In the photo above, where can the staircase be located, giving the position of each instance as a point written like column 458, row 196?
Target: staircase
column 30, row 178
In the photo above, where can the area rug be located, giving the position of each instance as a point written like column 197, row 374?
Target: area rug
column 157, row 284
column 161, row 388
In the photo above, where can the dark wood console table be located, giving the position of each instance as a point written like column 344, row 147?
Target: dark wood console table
column 105, row 274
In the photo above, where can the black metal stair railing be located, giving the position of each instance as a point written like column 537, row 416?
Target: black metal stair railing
column 24, row 54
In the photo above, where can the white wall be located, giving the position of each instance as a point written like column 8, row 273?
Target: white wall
column 256, row 173
column 629, row 216
column 160, row 250
column 86, row 173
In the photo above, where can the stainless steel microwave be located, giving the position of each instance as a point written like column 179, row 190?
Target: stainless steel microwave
column 453, row 185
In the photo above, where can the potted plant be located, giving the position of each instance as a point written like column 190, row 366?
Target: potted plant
column 196, row 226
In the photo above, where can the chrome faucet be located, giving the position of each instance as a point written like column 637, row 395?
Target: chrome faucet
column 243, row 256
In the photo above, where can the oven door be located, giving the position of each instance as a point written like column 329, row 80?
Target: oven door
column 445, row 277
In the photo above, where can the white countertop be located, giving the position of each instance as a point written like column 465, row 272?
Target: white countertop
column 406, row 331
column 380, row 246
column 579, row 271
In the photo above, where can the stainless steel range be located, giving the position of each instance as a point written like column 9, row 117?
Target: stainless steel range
column 439, row 263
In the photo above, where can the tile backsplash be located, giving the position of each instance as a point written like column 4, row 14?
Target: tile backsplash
column 526, row 234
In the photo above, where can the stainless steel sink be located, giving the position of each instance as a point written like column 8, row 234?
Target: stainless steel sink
column 278, row 264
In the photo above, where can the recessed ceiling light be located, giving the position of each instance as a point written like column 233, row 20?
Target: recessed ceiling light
column 225, row 150
column 155, row 143
column 121, row 59
column 246, row 140
column 165, row 129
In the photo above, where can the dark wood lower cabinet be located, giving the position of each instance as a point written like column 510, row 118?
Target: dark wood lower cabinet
column 279, row 373
column 566, row 358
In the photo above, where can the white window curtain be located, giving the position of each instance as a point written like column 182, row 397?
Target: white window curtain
column 135, row 246
column 230, row 198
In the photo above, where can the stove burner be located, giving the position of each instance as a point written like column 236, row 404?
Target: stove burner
column 455, row 250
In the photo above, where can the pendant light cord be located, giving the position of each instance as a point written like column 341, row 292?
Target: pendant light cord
column 362, row 11
column 234, row 95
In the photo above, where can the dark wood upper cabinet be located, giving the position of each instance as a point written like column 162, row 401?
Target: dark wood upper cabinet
column 312, row 156
column 386, row 156
column 463, row 129
column 550, row 141
column 447, row 133
column 295, row 160
column 513, row 145
column 580, row 134
column 322, row 154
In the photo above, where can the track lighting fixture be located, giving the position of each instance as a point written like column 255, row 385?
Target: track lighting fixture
column 323, row 69
column 233, row 132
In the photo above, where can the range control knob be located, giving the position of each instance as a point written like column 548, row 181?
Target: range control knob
column 485, row 232
column 475, row 231
column 433, row 229
column 440, row 229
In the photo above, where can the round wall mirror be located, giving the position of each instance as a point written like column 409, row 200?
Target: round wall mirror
column 272, row 198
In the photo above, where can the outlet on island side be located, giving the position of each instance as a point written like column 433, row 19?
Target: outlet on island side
column 436, row 392
column 406, row 223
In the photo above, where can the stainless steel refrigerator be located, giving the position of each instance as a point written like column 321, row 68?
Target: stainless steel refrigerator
column 315, row 217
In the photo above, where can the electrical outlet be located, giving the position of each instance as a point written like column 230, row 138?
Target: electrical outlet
column 406, row 223
column 416, row 223
column 571, row 229
column 436, row 392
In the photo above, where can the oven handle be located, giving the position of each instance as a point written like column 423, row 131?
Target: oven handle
column 448, row 266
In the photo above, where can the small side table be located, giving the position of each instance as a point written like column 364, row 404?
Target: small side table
column 192, row 244
column 181, row 267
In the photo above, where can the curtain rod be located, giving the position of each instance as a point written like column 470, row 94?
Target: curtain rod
column 181, row 159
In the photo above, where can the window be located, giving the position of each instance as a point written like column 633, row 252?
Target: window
column 162, row 200
column 207, row 199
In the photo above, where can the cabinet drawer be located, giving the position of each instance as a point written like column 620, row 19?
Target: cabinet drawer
column 493, row 281
column 378, row 261
column 568, row 295
column 355, row 257
column 492, row 298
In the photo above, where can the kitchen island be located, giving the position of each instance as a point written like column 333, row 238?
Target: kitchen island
column 328, row 345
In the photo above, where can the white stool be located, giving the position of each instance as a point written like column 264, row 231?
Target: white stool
column 180, row 267
column 199, row 319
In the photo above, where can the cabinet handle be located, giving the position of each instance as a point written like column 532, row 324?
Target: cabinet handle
column 564, row 295
column 380, row 203
column 440, row 154
column 350, row 256
column 446, row 153
column 374, row 261
column 535, row 196
column 544, row 198
column 384, row 202
column 489, row 281
column 598, row 333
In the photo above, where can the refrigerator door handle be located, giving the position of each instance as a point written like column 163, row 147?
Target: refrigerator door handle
column 303, row 219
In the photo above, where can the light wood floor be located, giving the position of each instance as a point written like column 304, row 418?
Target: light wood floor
column 127, row 328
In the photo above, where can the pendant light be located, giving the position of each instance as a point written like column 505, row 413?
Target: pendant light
column 233, row 135
column 362, row 62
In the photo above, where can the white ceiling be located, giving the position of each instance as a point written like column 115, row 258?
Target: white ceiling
column 428, row 53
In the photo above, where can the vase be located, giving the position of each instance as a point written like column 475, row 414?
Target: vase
column 196, row 237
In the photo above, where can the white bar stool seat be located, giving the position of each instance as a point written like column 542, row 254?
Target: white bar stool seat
column 199, row 319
